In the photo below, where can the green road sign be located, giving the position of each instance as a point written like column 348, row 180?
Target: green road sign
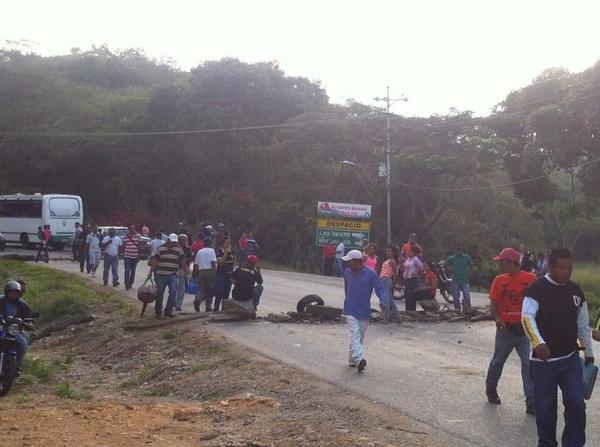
column 351, row 239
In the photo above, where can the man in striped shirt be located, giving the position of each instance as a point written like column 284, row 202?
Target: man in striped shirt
column 131, row 252
column 165, row 264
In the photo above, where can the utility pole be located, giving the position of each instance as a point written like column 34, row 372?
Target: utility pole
column 388, row 161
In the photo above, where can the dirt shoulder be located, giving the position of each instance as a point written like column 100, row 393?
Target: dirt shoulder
column 184, row 385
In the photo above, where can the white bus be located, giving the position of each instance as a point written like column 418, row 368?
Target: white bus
column 22, row 214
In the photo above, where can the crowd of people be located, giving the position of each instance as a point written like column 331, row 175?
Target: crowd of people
column 538, row 310
column 205, row 266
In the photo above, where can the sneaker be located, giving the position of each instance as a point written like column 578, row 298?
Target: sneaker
column 94, row 275
column 197, row 306
column 529, row 407
column 178, row 309
column 361, row 365
column 105, row 284
column 492, row 397
column 169, row 314
column 116, row 284
column 209, row 309
column 352, row 364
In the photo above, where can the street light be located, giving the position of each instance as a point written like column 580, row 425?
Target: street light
column 388, row 172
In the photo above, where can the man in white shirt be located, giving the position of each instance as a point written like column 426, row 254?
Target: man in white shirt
column 112, row 246
column 339, row 254
column 205, row 268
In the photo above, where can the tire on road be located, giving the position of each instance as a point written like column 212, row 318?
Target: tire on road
column 309, row 299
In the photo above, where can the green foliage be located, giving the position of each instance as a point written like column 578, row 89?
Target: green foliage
column 65, row 391
column 269, row 180
column 54, row 294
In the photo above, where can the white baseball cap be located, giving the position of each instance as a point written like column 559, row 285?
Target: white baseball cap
column 173, row 237
column 353, row 254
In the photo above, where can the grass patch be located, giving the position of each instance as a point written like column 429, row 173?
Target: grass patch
column 169, row 334
column 23, row 399
column 587, row 275
column 157, row 392
column 37, row 370
column 65, row 391
column 54, row 294
column 147, row 374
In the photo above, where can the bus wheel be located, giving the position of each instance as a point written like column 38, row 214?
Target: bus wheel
column 24, row 238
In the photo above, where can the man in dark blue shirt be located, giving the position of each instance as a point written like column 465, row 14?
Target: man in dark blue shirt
column 359, row 283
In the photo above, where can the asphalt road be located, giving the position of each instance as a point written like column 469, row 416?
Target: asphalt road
column 434, row 373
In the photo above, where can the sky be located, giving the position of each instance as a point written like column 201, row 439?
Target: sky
column 463, row 54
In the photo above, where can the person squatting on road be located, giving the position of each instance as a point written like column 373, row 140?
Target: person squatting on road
column 555, row 314
column 248, row 285
column 166, row 263
column 506, row 300
column 359, row 283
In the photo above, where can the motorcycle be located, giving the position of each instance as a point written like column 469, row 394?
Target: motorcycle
column 444, row 283
column 10, row 329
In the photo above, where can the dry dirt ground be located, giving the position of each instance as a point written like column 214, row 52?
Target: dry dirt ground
column 182, row 385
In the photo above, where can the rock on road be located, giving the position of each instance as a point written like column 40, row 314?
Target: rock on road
column 434, row 373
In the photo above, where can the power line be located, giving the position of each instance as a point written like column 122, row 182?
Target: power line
column 189, row 132
column 487, row 187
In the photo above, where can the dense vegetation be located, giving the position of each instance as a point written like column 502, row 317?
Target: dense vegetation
column 446, row 169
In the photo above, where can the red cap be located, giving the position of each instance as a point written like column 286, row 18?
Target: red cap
column 508, row 254
column 252, row 259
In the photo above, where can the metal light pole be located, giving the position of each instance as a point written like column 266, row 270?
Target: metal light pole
column 388, row 161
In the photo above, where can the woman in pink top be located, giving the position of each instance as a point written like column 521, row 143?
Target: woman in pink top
column 370, row 257
column 412, row 270
column 388, row 278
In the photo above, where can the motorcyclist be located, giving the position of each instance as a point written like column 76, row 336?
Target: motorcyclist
column 13, row 305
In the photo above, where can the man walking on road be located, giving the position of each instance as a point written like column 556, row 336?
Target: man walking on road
column 112, row 246
column 359, row 283
column 339, row 254
column 131, row 253
column 460, row 263
column 205, row 269
column 506, row 300
column 45, row 236
column 555, row 315
column 167, row 261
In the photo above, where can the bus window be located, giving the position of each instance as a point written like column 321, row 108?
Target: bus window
column 21, row 209
column 64, row 207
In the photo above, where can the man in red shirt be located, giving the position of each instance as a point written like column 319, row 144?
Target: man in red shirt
column 506, row 301
column 328, row 258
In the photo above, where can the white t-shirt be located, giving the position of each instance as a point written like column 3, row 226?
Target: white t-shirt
column 94, row 242
column 112, row 249
column 154, row 244
column 339, row 250
column 205, row 257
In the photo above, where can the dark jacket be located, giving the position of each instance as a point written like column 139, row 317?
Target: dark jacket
column 22, row 308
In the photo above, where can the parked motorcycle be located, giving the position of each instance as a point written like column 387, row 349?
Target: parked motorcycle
column 10, row 329
column 444, row 283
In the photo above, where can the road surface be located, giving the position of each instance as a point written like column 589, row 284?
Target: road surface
column 434, row 373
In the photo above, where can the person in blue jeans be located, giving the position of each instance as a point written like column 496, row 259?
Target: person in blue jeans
column 13, row 305
column 112, row 245
column 555, row 316
column 461, row 264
